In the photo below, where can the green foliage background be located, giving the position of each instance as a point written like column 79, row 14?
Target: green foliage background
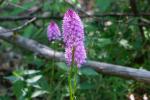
column 46, row 79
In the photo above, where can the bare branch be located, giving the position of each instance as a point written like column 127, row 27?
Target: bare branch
column 110, row 69
column 22, row 26
column 25, row 24
column 18, row 18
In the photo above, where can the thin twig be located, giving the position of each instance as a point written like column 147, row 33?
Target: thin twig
column 22, row 26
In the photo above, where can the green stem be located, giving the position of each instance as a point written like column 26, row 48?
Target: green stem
column 53, row 64
column 70, row 84
column 75, row 78
column 70, row 76
column 73, row 73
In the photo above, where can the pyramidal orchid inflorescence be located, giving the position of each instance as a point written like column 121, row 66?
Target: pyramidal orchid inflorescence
column 73, row 31
column 53, row 31
column 73, row 34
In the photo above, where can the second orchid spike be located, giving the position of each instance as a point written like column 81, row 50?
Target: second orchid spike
column 53, row 31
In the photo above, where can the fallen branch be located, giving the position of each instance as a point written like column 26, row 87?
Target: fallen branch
column 110, row 69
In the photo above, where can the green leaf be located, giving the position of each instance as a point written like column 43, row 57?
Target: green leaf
column 5, row 97
column 15, row 1
column 43, row 84
column 86, row 85
column 104, row 42
column 88, row 72
column 38, row 93
column 28, row 31
column 29, row 72
column 38, row 62
column 103, row 5
column 62, row 66
column 34, row 79
column 125, row 44
column 11, row 78
column 18, row 86
column 18, row 74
